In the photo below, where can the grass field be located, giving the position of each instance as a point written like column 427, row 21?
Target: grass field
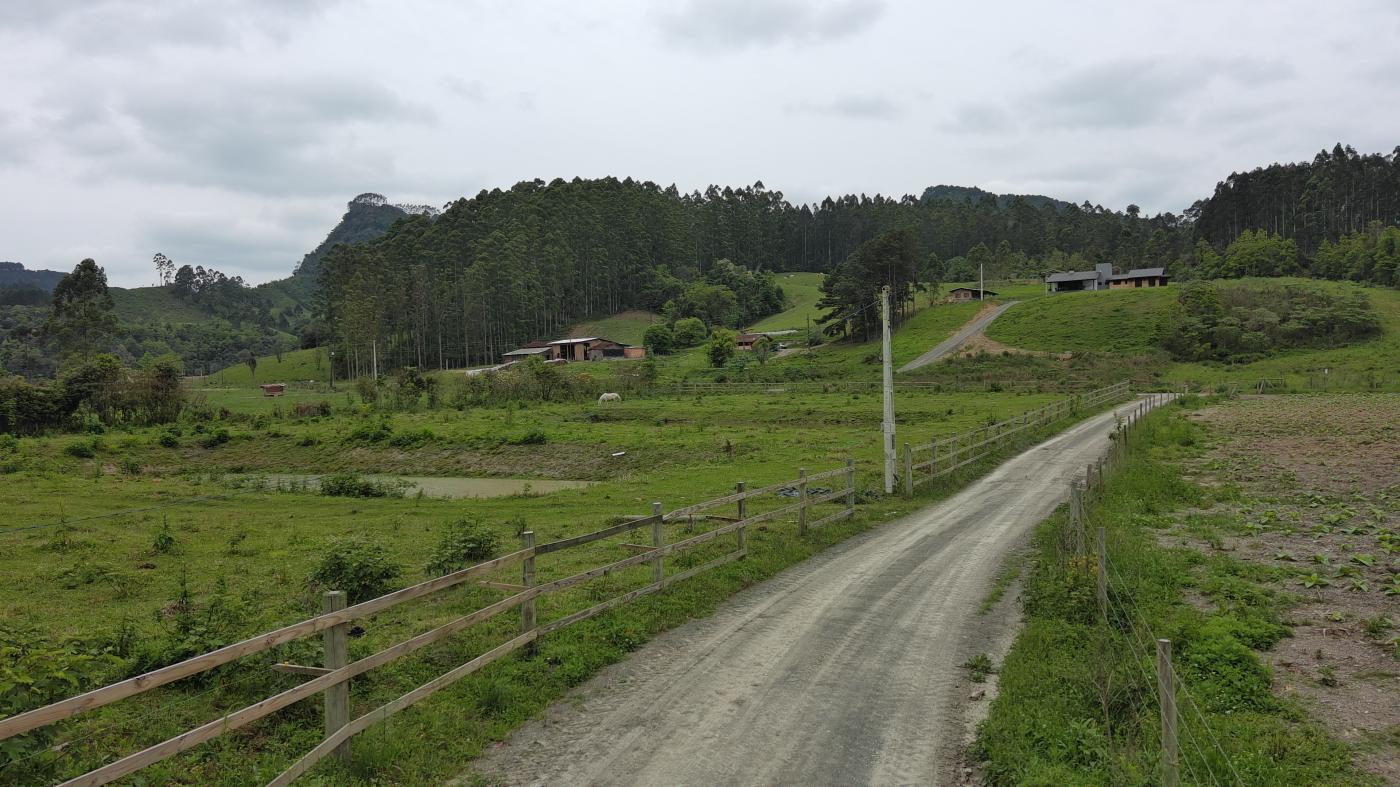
column 295, row 366
column 238, row 563
column 1120, row 321
column 626, row 327
column 801, row 291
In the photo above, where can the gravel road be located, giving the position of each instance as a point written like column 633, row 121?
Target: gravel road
column 842, row 670
column 972, row 328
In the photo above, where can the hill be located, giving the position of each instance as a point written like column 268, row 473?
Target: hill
column 975, row 195
column 801, row 291
column 626, row 327
column 1119, row 321
column 13, row 274
column 366, row 217
column 146, row 304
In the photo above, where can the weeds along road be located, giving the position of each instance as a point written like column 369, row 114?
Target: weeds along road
column 842, row 670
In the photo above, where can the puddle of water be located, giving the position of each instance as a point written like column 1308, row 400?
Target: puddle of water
column 439, row 486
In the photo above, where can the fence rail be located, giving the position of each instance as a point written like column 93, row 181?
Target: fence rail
column 831, row 386
column 950, row 453
column 333, row 679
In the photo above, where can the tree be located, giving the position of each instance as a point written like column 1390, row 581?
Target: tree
column 658, row 339
column 763, row 349
column 165, row 268
column 689, row 331
column 81, row 320
column 184, row 281
column 721, row 347
column 251, row 361
column 853, row 289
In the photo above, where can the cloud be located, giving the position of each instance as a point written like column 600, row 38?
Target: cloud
column 856, row 107
column 127, row 26
column 265, row 136
column 255, row 244
column 717, row 25
column 980, row 118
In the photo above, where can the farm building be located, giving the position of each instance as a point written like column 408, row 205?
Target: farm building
column 969, row 294
column 589, row 348
column 745, row 341
column 1103, row 278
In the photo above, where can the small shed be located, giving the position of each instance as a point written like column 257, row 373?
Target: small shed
column 273, row 389
column 969, row 294
column 745, row 341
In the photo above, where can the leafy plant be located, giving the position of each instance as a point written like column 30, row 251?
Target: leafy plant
column 1315, row 580
column 357, row 566
column 352, row 485
column 1364, row 558
column 163, row 543
column 464, row 542
column 978, row 668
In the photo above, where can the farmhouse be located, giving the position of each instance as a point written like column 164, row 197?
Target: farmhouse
column 1103, row 278
column 969, row 294
column 589, row 348
column 745, row 341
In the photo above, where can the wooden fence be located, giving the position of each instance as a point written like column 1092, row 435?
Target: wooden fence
column 845, row 386
column 333, row 679
column 950, row 453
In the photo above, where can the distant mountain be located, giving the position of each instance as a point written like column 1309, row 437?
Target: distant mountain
column 975, row 195
column 366, row 217
column 13, row 274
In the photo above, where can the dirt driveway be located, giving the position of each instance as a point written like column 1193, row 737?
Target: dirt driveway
column 841, row 670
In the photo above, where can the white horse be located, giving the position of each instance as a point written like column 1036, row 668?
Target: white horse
column 610, row 397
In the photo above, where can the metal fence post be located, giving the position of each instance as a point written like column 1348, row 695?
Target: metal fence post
column 1166, row 698
column 742, row 530
column 908, row 470
column 802, row 501
column 336, row 641
column 656, row 568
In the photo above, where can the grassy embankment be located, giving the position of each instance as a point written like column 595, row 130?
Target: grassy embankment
column 116, row 583
column 1077, row 703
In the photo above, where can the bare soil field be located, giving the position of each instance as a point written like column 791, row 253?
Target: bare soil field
column 1319, row 505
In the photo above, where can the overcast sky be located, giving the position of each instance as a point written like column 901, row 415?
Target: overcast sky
column 231, row 133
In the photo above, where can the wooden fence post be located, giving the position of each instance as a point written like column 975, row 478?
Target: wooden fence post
column 742, row 530
column 527, row 578
column 1166, row 699
column 656, row 541
column 336, row 640
column 851, row 486
column 802, row 501
column 1102, row 574
column 908, row 470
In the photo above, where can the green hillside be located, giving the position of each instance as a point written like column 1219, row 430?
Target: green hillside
column 1120, row 321
column 801, row 291
column 626, row 327
column 156, row 304
column 295, row 366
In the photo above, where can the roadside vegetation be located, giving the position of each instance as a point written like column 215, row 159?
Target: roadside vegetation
column 1077, row 702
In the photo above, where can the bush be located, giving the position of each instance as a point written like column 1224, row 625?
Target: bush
column 130, row 465
column 352, row 485
column 412, row 439
column 215, row 438
column 370, row 432
column 463, row 543
column 170, row 438
column 35, row 673
column 83, row 449
column 689, row 331
column 360, row 568
column 658, row 339
column 311, row 410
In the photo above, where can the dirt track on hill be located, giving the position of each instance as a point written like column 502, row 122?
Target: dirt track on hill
column 842, row 670
column 973, row 327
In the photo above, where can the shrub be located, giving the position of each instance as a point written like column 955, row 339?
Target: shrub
column 170, row 438
column 721, row 347
column 83, row 449
column 658, row 339
column 370, row 432
column 35, row 673
column 412, row 439
column 215, row 438
column 352, row 485
column 311, row 410
column 130, row 465
column 163, row 542
column 360, row 568
column 464, row 542
column 689, row 331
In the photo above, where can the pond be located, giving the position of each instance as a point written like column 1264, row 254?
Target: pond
column 448, row 487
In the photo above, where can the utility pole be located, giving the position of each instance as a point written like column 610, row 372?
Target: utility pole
column 374, row 358
column 887, row 424
column 981, row 283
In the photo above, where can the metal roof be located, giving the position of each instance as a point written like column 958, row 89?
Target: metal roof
column 1140, row 272
column 1072, row 276
column 575, row 341
column 528, row 351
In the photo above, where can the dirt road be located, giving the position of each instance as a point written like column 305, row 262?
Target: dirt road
column 841, row 670
column 972, row 328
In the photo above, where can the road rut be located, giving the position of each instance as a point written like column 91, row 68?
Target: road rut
column 842, row 670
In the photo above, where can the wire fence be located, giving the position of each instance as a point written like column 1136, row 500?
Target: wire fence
column 1120, row 617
